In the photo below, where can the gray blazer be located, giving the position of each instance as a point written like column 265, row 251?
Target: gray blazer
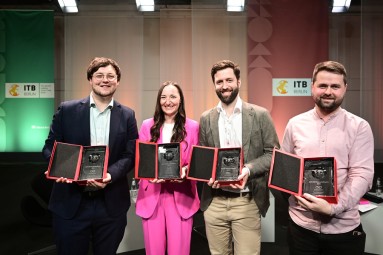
column 258, row 140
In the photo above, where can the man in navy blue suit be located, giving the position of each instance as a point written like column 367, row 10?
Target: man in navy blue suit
column 94, row 213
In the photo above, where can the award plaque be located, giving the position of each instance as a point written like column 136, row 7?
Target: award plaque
column 228, row 165
column 169, row 161
column 78, row 163
column 158, row 161
column 297, row 175
column 318, row 177
column 64, row 161
column 92, row 165
column 202, row 163
column 221, row 164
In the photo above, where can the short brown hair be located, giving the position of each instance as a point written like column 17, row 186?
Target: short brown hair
column 332, row 67
column 98, row 62
column 223, row 64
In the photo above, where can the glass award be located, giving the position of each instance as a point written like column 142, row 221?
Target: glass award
column 92, row 165
column 318, row 177
column 228, row 166
column 169, row 161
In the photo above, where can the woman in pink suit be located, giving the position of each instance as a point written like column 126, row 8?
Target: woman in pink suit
column 167, row 207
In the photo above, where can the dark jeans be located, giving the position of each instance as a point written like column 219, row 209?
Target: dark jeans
column 306, row 242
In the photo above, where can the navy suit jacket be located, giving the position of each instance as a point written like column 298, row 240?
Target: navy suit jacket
column 71, row 124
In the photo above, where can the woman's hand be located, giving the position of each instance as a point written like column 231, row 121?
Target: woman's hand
column 157, row 181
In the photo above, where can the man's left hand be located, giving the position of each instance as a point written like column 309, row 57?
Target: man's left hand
column 314, row 203
column 243, row 176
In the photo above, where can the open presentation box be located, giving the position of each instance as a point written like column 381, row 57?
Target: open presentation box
column 78, row 163
column 158, row 161
column 221, row 164
column 297, row 175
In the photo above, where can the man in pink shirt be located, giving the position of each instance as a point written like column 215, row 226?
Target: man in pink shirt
column 317, row 227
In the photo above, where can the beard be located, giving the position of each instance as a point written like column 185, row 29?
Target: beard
column 227, row 99
column 328, row 107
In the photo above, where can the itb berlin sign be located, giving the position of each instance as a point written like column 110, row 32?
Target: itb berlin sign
column 29, row 90
column 291, row 87
column 26, row 79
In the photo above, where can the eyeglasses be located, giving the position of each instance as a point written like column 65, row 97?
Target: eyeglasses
column 109, row 77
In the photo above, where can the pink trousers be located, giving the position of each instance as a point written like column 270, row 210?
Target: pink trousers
column 166, row 232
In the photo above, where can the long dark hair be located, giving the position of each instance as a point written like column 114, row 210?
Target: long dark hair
column 179, row 131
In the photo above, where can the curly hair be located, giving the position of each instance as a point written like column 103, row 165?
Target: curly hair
column 179, row 131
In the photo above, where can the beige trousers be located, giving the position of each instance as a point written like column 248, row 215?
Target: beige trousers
column 233, row 221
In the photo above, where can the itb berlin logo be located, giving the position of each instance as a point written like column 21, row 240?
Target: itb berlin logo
column 291, row 87
column 14, row 90
column 29, row 90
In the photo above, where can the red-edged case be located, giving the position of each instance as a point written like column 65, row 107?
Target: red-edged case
column 205, row 160
column 67, row 160
column 150, row 155
column 287, row 174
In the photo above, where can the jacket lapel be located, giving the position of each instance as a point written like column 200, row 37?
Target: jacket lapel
column 247, row 126
column 214, row 115
column 114, row 122
column 84, row 115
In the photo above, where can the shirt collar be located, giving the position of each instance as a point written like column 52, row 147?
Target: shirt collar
column 93, row 104
column 332, row 115
column 237, row 107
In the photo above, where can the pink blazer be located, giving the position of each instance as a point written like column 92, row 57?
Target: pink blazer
column 185, row 193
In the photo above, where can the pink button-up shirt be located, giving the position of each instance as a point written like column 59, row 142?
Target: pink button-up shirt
column 349, row 139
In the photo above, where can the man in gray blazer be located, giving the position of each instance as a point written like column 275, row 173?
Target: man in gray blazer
column 232, row 213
